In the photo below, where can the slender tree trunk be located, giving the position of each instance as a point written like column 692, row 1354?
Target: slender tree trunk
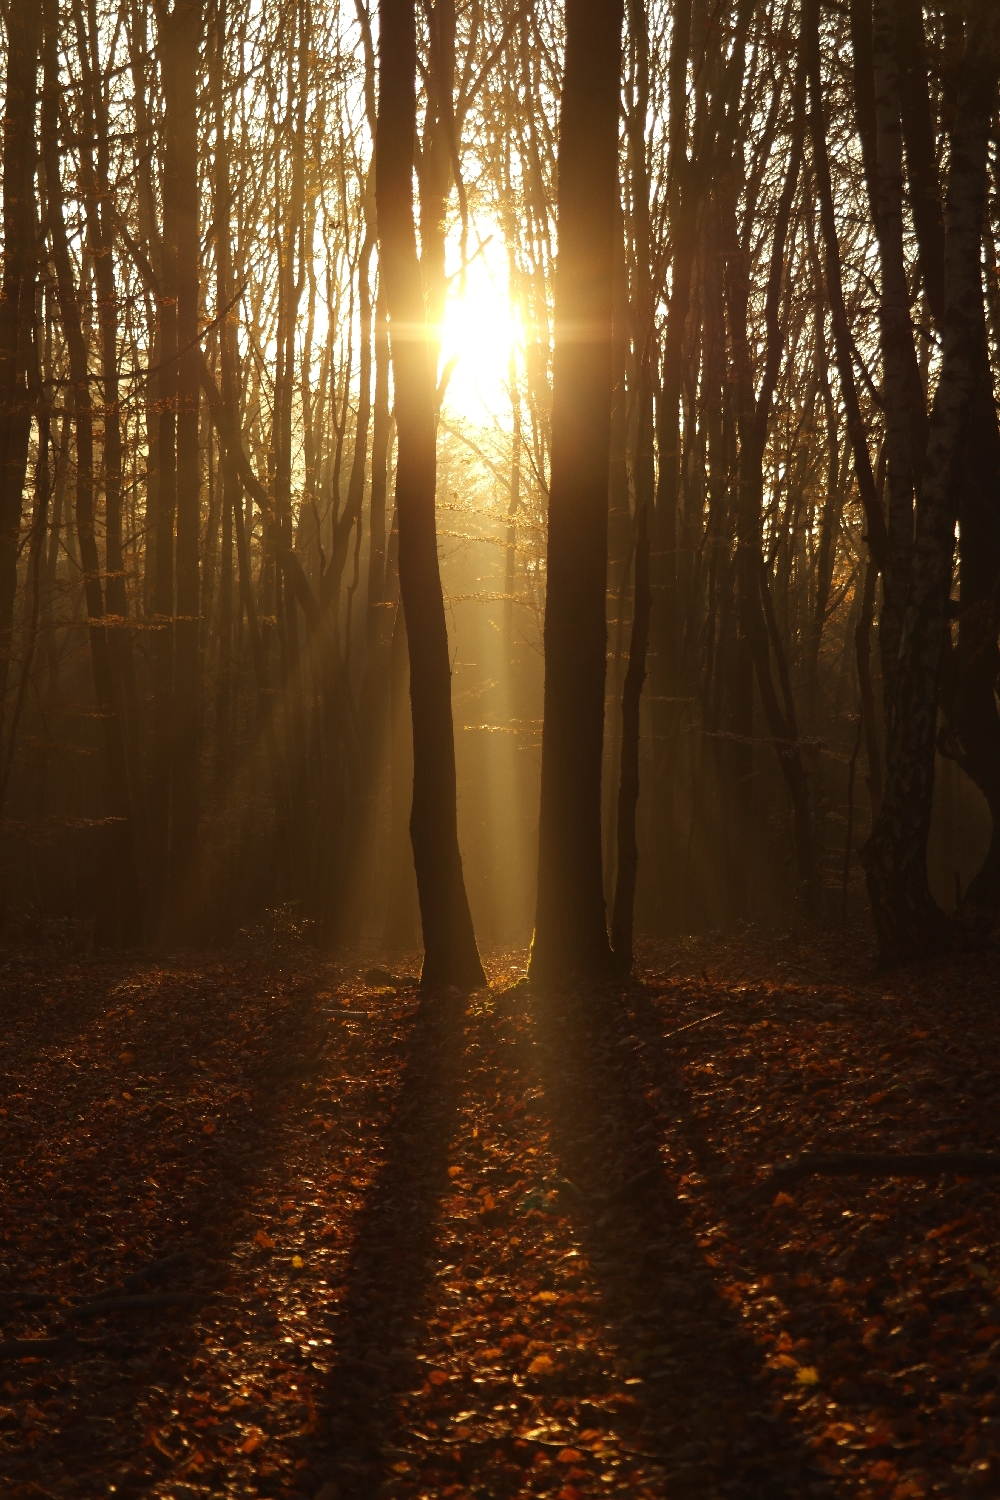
column 182, row 140
column 450, row 952
column 121, row 907
column 628, row 788
column 571, row 934
column 17, row 306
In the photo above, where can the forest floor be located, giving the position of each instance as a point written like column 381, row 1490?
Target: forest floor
column 353, row 1242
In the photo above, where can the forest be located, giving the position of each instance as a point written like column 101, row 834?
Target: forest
column 499, row 748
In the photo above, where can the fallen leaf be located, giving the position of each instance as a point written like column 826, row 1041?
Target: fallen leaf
column 209, row 1127
column 297, row 1262
column 570, row 1456
column 252, row 1443
column 784, row 1200
column 807, row 1375
column 438, row 1377
column 263, row 1239
column 454, row 1171
column 545, row 1297
column 126, row 1057
column 541, row 1365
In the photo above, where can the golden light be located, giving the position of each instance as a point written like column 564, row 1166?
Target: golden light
column 479, row 332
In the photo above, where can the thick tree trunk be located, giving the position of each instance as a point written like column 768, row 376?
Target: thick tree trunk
column 907, row 921
column 571, row 934
column 450, row 952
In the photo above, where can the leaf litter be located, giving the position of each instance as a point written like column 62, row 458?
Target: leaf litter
column 284, row 1227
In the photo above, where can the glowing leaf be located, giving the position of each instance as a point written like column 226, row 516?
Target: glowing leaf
column 438, row 1377
column 297, row 1262
column 541, row 1365
column 808, row 1375
column 545, row 1297
column 454, row 1171
column 263, row 1239
column 570, row 1456
column 253, row 1441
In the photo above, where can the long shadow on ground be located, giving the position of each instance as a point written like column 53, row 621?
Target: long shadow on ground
column 392, row 1263
column 704, row 1408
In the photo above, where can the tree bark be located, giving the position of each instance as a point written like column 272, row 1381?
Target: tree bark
column 571, row 934
column 450, row 952
column 182, row 142
column 628, row 786
column 17, row 307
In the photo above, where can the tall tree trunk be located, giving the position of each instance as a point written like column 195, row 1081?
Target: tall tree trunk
column 120, row 909
column 907, row 921
column 628, row 786
column 182, row 143
column 450, row 952
column 17, row 306
column 571, row 934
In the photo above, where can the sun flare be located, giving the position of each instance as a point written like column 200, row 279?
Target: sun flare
column 480, row 331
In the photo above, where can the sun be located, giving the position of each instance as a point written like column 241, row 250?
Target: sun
column 479, row 334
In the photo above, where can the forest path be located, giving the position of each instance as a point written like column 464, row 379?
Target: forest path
column 495, row 1244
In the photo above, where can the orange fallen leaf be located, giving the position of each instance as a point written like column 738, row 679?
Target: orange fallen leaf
column 252, row 1443
column 883, row 1470
column 454, row 1171
column 209, row 1127
column 541, row 1365
column 807, row 1375
column 545, row 1297
column 784, row 1200
column 879, row 1096
column 438, row 1377
column 488, row 1202
column 126, row 1057
column 570, row 1456
column 263, row 1239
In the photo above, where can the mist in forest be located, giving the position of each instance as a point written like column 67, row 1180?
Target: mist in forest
column 227, row 474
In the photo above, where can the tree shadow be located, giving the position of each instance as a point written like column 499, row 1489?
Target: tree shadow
column 379, row 1320
column 212, row 1144
column 704, row 1404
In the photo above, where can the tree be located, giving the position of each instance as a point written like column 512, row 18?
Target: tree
column 907, row 920
column 571, row 934
column 450, row 952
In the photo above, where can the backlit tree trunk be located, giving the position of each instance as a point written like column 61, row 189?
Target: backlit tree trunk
column 450, row 952
column 570, row 927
